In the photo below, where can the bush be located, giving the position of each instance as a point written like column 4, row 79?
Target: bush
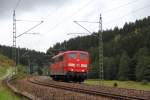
column 115, row 84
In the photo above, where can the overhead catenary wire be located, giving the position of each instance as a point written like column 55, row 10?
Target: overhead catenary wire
column 134, row 11
column 57, row 24
column 82, row 27
column 64, row 19
column 87, row 21
column 40, row 22
column 51, row 14
column 112, row 9
column 107, row 11
column 30, row 29
column 28, row 20
column 120, row 6
column 17, row 4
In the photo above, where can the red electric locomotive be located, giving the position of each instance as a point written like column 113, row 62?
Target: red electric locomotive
column 70, row 66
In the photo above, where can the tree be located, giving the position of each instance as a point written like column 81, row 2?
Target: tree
column 94, row 70
column 123, row 67
column 143, row 65
column 143, row 69
column 110, row 68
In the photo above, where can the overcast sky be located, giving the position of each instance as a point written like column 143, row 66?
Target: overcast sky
column 58, row 17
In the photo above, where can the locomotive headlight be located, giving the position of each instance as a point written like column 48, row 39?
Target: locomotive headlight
column 71, row 69
column 83, row 65
column 82, row 70
column 71, row 64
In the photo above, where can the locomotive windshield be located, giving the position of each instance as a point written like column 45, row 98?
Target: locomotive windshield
column 72, row 55
column 83, row 56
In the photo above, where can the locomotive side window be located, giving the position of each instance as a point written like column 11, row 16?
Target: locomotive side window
column 83, row 56
column 72, row 55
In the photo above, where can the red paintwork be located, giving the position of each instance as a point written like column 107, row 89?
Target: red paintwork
column 61, row 67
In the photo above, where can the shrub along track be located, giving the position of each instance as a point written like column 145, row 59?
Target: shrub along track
column 45, row 89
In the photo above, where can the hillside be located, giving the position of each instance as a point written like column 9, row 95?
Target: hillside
column 5, row 63
column 23, row 54
column 126, row 51
column 5, row 67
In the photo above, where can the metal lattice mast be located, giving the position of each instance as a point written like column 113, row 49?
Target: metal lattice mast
column 101, row 72
column 14, row 38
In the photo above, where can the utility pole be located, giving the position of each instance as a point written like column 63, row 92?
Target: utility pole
column 14, row 49
column 15, row 36
column 18, row 55
column 101, row 71
column 14, row 39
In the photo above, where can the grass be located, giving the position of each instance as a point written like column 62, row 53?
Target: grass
column 21, row 72
column 5, row 61
column 2, row 71
column 5, row 93
column 121, row 84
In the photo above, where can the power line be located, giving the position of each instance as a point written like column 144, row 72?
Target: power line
column 64, row 19
column 28, row 20
column 82, row 8
column 47, row 17
column 50, row 14
column 56, row 25
column 17, row 4
column 76, row 33
column 109, row 10
column 82, row 26
column 29, row 29
column 87, row 21
column 134, row 11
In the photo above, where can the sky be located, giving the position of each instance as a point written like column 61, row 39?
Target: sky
column 58, row 18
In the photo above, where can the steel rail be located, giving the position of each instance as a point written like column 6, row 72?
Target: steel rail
column 18, row 92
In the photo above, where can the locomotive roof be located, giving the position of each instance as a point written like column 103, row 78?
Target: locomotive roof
column 73, row 51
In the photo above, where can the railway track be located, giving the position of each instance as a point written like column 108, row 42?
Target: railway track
column 22, row 94
column 85, row 90
column 43, row 88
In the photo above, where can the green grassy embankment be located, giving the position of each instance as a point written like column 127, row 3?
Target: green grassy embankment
column 121, row 84
column 5, row 67
column 2, row 71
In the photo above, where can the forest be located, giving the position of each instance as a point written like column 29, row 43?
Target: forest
column 126, row 51
column 33, row 60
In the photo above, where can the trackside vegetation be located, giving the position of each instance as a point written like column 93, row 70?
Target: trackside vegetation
column 5, row 93
column 121, row 84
